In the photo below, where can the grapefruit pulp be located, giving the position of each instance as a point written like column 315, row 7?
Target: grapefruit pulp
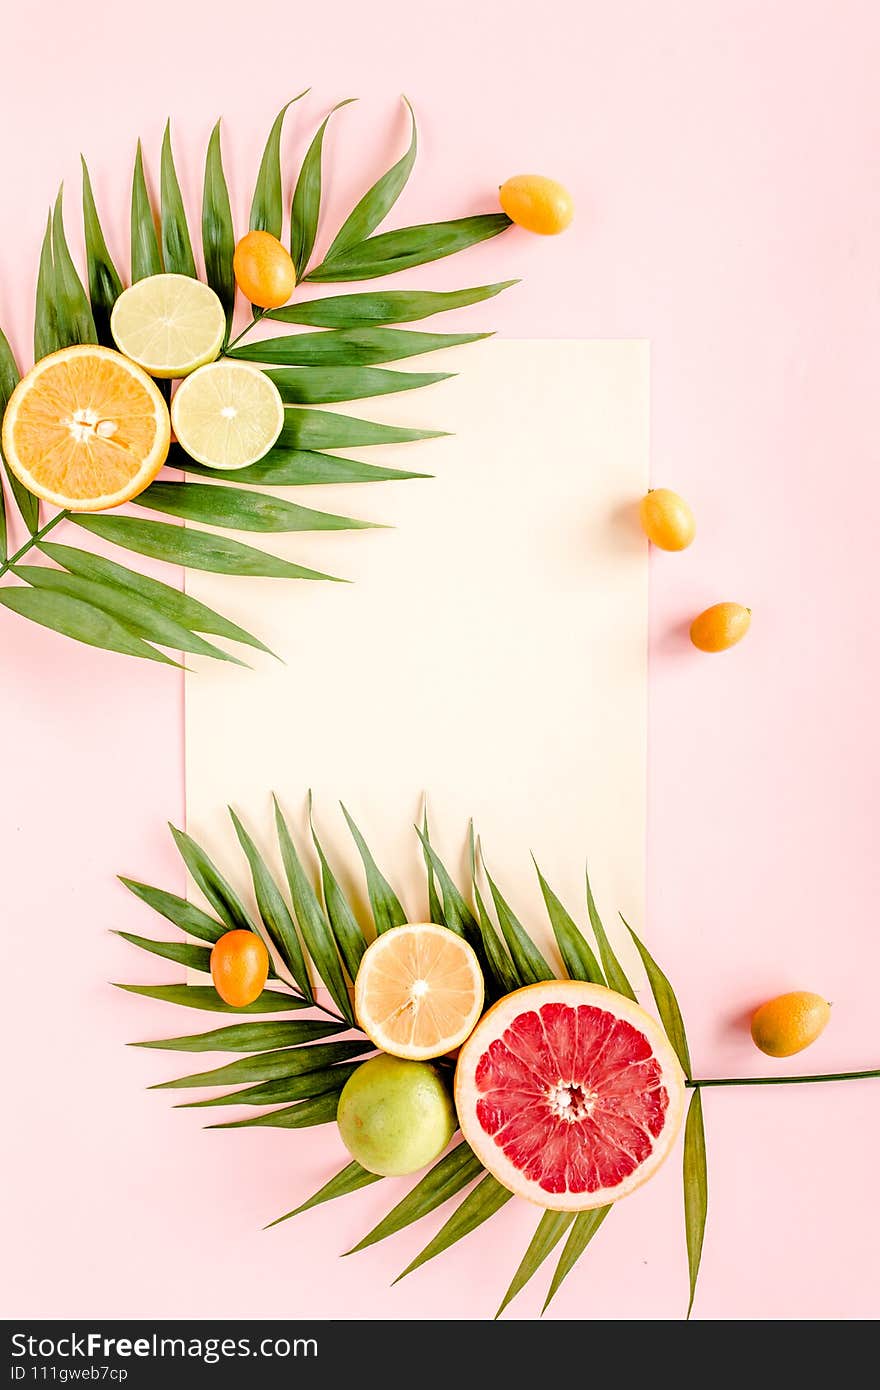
column 569, row 1094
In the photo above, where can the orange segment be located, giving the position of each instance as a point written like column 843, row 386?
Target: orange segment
column 419, row 991
column 86, row 429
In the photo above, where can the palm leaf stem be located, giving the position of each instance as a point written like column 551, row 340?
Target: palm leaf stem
column 33, row 540
column 258, row 314
column 779, row 1080
column 322, row 1008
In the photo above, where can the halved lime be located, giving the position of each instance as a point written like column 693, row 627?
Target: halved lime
column 227, row 415
column 168, row 324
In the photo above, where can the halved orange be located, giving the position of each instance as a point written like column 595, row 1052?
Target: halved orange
column 86, row 429
column 419, row 991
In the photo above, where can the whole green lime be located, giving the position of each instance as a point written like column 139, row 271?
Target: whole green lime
column 395, row 1116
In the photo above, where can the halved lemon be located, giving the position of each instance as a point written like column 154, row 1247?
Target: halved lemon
column 86, row 429
column 169, row 324
column 227, row 415
column 419, row 991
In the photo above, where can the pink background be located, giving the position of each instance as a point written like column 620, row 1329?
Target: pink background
column 723, row 160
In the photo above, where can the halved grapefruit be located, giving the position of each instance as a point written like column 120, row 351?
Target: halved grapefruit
column 569, row 1094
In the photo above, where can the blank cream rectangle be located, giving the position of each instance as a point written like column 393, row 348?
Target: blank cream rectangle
column 491, row 652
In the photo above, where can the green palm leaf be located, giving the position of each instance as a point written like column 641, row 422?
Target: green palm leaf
column 197, row 550
column 551, row 1228
column 27, row 504
column 177, row 252
column 696, row 1189
column 287, row 1088
column 137, row 616
column 407, row 247
column 206, row 997
column 347, row 933
column 667, row 1004
column 306, row 205
column 274, row 912
column 503, row 968
column 349, row 347
column 47, row 337
column 313, row 924
column 586, row 1224
column 290, row 1064
column 384, row 903
column 218, row 238
column 247, row 1037
column 182, row 952
column 4, row 535
column 220, row 894
column 484, row 1201
column 435, row 907
column 81, row 621
column 614, row 972
column 75, row 321
column 173, row 908
column 578, row 958
column 319, row 1110
column 378, row 201
column 378, row 308
column 457, row 916
column 241, row 510
column 298, row 468
column 266, row 207
column 349, row 1179
column 161, row 598
column 327, row 429
column 105, row 286
column 328, row 385
column 146, row 258
column 270, row 1066
column 530, row 964
column 453, row 1172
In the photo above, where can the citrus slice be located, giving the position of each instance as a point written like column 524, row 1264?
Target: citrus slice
column 168, row 324
column 419, row 991
column 227, row 415
column 569, row 1094
column 86, row 429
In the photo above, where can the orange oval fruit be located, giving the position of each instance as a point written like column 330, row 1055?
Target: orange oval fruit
column 539, row 204
column 789, row 1023
column 666, row 519
column 239, row 967
column 720, row 627
column 264, row 271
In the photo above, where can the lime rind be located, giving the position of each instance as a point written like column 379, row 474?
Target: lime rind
column 169, row 324
column 227, row 415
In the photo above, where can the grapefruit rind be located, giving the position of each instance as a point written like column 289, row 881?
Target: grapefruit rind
column 493, row 1026
column 469, row 986
column 16, row 415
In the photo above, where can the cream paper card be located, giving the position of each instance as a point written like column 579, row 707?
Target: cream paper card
column 490, row 654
